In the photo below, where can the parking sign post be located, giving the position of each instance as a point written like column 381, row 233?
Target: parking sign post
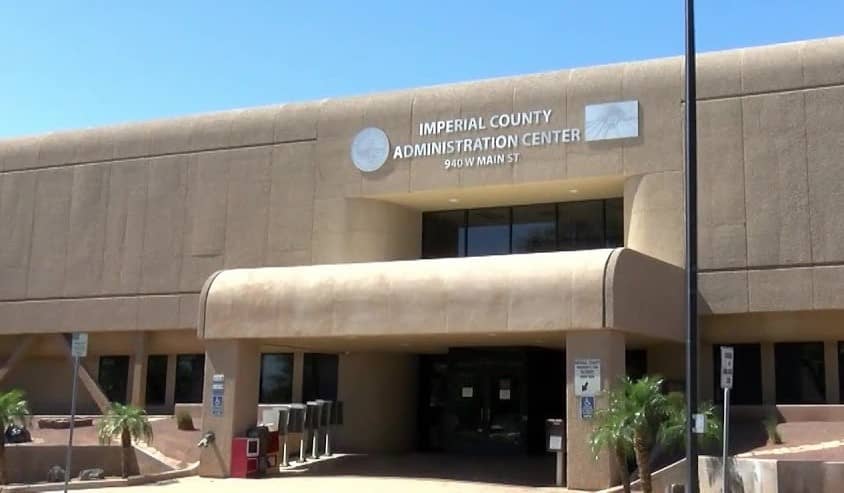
column 727, row 366
column 78, row 349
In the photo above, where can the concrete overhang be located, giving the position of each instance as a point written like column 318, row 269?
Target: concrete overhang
column 529, row 293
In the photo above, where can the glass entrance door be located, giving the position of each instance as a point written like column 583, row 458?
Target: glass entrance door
column 486, row 403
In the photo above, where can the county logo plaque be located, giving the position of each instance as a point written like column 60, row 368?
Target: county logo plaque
column 370, row 149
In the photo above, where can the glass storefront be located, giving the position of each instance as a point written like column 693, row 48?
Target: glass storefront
column 276, row 378
column 800, row 373
column 156, row 384
column 113, row 377
column 190, row 372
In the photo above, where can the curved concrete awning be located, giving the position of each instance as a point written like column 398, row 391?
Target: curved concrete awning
column 541, row 292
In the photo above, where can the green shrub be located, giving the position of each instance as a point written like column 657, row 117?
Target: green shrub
column 770, row 424
column 184, row 421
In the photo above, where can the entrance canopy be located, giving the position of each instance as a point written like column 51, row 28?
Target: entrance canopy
column 507, row 295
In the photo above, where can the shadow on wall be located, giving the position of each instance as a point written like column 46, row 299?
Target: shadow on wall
column 30, row 463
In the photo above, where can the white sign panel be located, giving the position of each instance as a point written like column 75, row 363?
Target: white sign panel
column 79, row 344
column 699, row 424
column 608, row 121
column 587, row 377
column 467, row 392
column 727, row 361
column 555, row 442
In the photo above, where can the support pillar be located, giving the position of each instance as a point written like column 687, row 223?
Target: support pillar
column 584, row 471
column 769, row 375
column 238, row 361
column 830, row 352
column 85, row 377
column 138, row 385
column 170, row 383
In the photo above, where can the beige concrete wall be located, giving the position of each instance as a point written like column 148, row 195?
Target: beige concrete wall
column 116, row 228
column 379, row 393
column 30, row 463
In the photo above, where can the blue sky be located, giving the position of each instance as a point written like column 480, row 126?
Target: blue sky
column 68, row 64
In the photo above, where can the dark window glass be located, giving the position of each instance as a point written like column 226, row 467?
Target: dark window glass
column 636, row 363
column 489, row 231
column 190, row 373
column 841, row 372
column 534, row 228
column 156, row 379
column 614, row 227
column 113, row 377
column 581, row 225
column 276, row 378
column 444, row 234
column 800, row 373
column 319, row 378
column 747, row 374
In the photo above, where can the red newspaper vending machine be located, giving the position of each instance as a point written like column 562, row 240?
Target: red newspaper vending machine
column 245, row 455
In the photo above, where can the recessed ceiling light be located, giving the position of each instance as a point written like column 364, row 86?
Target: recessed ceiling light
column 573, row 190
column 454, row 200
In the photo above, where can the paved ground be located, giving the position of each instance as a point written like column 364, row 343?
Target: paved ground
column 402, row 473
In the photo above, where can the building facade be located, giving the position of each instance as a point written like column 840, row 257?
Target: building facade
column 455, row 263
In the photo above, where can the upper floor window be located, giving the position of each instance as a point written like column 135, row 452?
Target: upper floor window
column 523, row 229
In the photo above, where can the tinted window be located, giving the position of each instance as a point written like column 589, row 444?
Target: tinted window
column 444, row 234
column 489, row 231
column 319, row 379
column 636, row 363
column 534, row 228
column 113, row 377
column 747, row 374
column 156, row 379
column 800, row 373
column 614, row 223
column 276, row 378
column 581, row 225
column 190, row 372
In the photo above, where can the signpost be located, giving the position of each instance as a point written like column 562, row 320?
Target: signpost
column 78, row 349
column 726, row 384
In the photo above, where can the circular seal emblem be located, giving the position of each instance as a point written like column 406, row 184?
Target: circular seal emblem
column 370, row 149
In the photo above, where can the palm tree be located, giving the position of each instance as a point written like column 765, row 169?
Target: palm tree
column 637, row 416
column 611, row 434
column 13, row 410
column 127, row 422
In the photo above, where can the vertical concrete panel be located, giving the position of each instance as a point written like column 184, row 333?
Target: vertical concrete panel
column 590, row 86
column 86, row 241
column 291, row 207
column 586, row 473
column 486, row 98
column 379, row 231
column 49, row 233
column 205, row 221
column 542, row 91
column 825, row 148
column 657, row 86
column 339, row 122
column 17, row 208
column 164, row 225
column 124, row 229
column 430, row 105
column 777, row 199
column 248, row 204
column 392, row 114
column 830, row 352
column 722, row 236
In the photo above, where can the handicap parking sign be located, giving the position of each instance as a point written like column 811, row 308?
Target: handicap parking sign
column 587, row 407
column 216, row 405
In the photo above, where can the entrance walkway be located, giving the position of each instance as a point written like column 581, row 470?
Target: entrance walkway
column 409, row 473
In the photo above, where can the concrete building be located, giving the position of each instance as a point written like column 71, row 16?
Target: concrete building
column 438, row 258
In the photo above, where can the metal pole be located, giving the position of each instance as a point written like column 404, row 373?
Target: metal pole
column 561, row 464
column 725, row 454
column 67, row 460
column 691, row 249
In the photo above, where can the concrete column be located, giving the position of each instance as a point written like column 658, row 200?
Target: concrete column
column 769, row 376
column 583, row 471
column 239, row 363
column 170, row 383
column 298, row 375
column 138, row 382
column 830, row 356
